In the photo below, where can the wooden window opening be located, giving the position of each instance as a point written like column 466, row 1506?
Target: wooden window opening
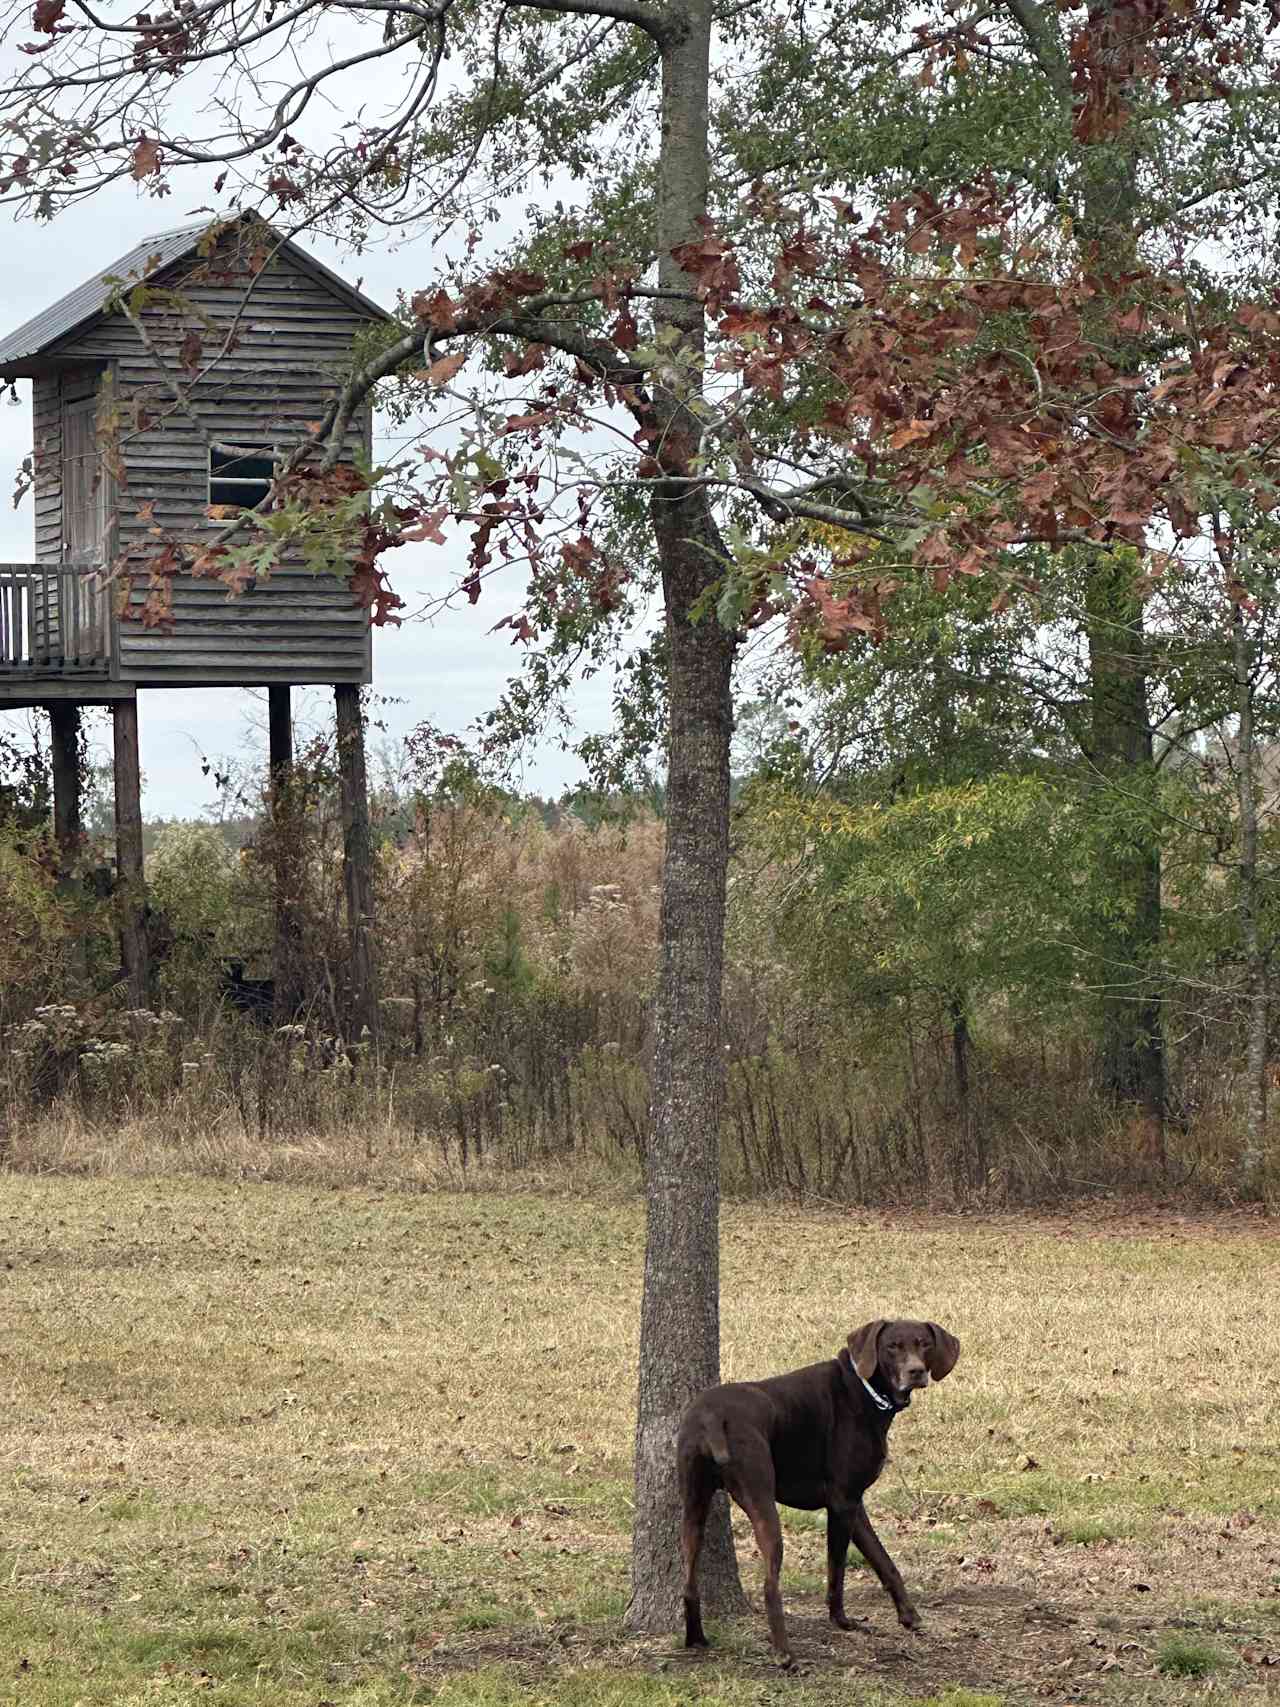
column 241, row 475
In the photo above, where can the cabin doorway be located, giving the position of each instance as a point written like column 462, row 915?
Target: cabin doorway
column 75, row 627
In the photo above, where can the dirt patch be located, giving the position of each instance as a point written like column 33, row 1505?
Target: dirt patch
column 1016, row 1617
column 992, row 1639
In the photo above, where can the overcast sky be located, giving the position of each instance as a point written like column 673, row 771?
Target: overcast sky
column 449, row 672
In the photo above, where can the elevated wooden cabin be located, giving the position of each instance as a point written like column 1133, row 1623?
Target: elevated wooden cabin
column 290, row 324
column 242, row 340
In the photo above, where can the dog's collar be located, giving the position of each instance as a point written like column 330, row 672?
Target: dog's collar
column 889, row 1407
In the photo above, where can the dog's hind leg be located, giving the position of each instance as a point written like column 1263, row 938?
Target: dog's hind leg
column 697, row 1503
column 691, row 1533
column 767, row 1525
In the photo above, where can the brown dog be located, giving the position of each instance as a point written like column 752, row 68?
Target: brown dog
column 815, row 1439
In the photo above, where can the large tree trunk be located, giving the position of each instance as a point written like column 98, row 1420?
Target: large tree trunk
column 1257, row 993
column 680, row 1313
column 1130, row 1062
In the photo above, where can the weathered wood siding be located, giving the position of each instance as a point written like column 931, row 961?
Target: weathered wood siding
column 46, row 409
column 292, row 344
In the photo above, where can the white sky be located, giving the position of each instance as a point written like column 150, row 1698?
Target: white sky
column 448, row 672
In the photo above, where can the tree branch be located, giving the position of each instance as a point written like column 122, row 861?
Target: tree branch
column 654, row 22
column 1045, row 45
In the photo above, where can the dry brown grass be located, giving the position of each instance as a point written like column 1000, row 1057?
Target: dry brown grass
column 300, row 1445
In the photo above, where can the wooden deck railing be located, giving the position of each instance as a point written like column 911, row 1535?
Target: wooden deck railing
column 53, row 619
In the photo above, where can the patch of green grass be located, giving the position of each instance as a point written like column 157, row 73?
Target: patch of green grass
column 959, row 1697
column 487, row 1616
column 798, row 1582
column 590, row 1687
column 707, row 1683
column 592, row 1604
column 1181, row 1655
column 124, row 1509
column 1090, row 1531
column 797, row 1522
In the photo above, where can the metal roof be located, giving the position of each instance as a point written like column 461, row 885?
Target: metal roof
column 82, row 305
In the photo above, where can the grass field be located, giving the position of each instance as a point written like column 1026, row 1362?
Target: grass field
column 274, row 1445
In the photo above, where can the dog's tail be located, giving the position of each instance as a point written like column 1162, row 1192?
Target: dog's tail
column 717, row 1440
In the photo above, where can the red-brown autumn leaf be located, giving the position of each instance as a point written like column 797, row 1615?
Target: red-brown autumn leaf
column 578, row 553
column 762, row 371
column 190, row 350
column 437, row 309
column 520, row 626
column 427, row 529
column 908, row 435
column 519, row 281
column 528, row 360
column 624, row 331
column 799, row 255
column 525, row 423
column 712, row 263
column 284, row 189
column 146, row 158
column 442, row 370
column 208, row 564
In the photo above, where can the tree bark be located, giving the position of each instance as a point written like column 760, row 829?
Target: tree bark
column 357, row 856
column 131, row 890
column 1257, row 993
column 680, row 1312
column 1130, row 1060
column 680, row 1315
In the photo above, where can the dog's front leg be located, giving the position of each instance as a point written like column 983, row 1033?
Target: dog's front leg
column 837, row 1553
column 869, row 1545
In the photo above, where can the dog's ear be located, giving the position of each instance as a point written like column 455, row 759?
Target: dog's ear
column 946, row 1349
column 864, row 1347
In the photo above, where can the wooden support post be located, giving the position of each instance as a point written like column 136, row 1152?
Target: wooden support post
column 357, row 855
column 64, row 727
column 131, row 886
column 285, row 968
column 64, row 730
column 280, row 733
